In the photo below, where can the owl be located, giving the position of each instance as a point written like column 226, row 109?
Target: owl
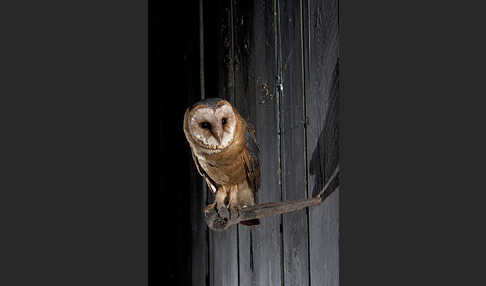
column 225, row 153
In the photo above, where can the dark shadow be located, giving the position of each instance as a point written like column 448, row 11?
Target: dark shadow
column 325, row 156
column 173, row 85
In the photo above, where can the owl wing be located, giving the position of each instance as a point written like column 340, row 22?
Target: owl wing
column 211, row 184
column 250, row 159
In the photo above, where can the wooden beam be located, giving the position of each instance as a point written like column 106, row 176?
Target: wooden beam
column 223, row 218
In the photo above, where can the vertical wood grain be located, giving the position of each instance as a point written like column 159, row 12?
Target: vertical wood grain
column 223, row 260
column 194, row 254
column 267, row 236
column 322, row 102
column 199, row 230
column 198, row 191
column 255, row 98
column 219, row 60
column 276, row 61
column 244, row 101
column 292, row 138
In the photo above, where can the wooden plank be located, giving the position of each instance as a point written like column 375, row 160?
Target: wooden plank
column 223, row 246
column 292, row 137
column 223, row 260
column 255, row 90
column 244, row 101
column 197, row 193
column 199, row 230
column 321, row 53
column 266, row 237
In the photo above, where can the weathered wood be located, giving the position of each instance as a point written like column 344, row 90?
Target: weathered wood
column 223, row 218
column 223, row 246
column 275, row 61
column 244, row 101
column 199, row 243
column 244, row 98
column 255, row 90
column 197, row 192
column 321, row 53
column 266, row 237
column 223, row 262
column 292, row 134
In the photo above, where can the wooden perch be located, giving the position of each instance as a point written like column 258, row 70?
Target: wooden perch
column 223, row 218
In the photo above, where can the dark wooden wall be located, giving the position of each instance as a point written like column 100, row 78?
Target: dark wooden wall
column 278, row 63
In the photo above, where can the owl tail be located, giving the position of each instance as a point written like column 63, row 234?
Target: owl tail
column 250, row 222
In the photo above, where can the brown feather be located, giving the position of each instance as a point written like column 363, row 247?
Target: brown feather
column 233, row 172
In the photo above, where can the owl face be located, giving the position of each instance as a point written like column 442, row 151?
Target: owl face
column 212, row 125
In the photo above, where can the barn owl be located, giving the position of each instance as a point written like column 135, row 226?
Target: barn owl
column 225, row 153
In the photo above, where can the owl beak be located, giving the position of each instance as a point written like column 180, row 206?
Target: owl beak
column 218, row 134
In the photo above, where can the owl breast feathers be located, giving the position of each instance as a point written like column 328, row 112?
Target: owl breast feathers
column 225, row 152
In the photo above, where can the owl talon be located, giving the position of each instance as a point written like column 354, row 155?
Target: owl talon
column 219, row 223
column 223, row 212
column 234, row 213
column 214, row 221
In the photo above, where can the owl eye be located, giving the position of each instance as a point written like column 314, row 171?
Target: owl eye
column 224, row 120
column 205, row 125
